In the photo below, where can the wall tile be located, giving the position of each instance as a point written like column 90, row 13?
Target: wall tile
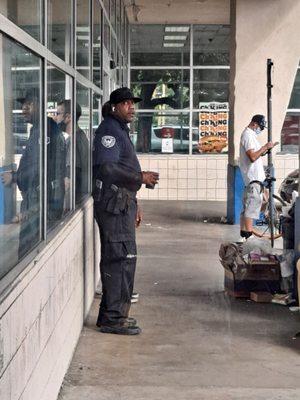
column 172, row 194
column 182, row 164
column 182, row 194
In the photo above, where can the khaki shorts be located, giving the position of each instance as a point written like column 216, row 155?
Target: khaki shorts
column 252, row 200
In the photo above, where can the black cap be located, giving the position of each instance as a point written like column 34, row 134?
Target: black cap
column 121, row 94
column 31, row 95
column 260, row 120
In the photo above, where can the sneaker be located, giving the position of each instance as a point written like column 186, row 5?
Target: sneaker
column 135, row 298
column 125, row 329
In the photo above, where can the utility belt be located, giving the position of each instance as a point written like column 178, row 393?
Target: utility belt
column 261, row 184
column 113, row 198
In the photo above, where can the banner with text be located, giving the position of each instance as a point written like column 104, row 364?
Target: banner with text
column 213, row 127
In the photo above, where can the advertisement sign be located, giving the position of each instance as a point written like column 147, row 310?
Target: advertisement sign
column 167, row 145
column 213, row 127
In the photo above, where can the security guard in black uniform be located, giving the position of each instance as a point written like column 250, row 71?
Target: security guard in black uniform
column 117, row 177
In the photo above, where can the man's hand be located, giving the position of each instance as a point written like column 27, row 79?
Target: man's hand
column 268, row 146
column 139, row 217
column 150, row 178
column 7, row 178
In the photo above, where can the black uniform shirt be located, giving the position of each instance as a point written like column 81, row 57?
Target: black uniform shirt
column 112, row 146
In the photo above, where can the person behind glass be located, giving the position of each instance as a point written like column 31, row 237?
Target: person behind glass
column 117, row 177
column 253, row 174
column 27, row 176
column 64, row 121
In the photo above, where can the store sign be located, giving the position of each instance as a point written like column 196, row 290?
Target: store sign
column 167, row 145
column 213, row 127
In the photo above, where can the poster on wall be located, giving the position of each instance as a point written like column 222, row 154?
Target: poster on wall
column 213, row 127
column 167, row 145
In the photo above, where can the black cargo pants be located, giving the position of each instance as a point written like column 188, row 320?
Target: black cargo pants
column 118, row 255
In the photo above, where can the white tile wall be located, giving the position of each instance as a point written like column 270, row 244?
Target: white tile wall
column 41, row 318
column 199, row 177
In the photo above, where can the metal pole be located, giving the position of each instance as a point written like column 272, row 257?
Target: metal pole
column 270, row 161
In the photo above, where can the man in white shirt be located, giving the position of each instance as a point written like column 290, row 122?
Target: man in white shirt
column 253, row 173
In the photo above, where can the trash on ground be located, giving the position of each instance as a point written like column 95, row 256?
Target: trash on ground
column 283, row 299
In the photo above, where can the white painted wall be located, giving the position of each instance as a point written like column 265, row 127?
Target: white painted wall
column 42, row 316
column 199, row 177
column 262, row 30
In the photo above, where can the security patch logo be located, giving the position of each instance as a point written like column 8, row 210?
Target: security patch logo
column 108, row 141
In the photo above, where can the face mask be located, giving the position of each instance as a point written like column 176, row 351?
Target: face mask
column 62, row 126
column 257, row 130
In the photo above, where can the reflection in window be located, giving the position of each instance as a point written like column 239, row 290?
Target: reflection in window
column 106, row 35
column 118, row 18
column 59, row 146
column 161, row 89
column 156, row 45
column 21, row 137
column 295, row 96
column 113, row 13
column 162, row 132
column 83, row 38
column 59, row 28
column 211, row 85
column 211, row 44
column 96, row 111
column 82, row 143
column 24, row 13
column 290, row 132
column 291, row 126
column 97, row 57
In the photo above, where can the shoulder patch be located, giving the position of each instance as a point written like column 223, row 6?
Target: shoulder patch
column 108, row 141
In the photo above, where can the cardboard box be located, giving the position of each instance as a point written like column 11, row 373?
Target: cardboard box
column 261, row 297
column 248, row 278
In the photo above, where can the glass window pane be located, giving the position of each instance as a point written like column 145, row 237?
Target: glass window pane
column 290, row 133
column 210, row 129
column 60, row 28
column 97, row 42
column 59, row 146
column 123, row 34
column 161, row 133
column 211, row 44
column 158, row 45
column 20, row 152
column 106, row 35
column 295, row 97
column 211, row 85
column 106, row 6
column 118, row 18
column 24, row 13
column 161, row 89
column 82, row 144
column 96, row 111
column 83, row 38
column 113, row 13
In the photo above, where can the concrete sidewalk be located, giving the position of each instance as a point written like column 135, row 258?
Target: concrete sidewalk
column 197, row 343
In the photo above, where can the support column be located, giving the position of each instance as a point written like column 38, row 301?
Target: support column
column 259, row 30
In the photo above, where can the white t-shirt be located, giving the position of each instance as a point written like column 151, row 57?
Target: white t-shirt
column 251, row 171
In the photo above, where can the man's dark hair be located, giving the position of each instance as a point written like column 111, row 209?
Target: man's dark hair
column 259, row 119
column 67, row 106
